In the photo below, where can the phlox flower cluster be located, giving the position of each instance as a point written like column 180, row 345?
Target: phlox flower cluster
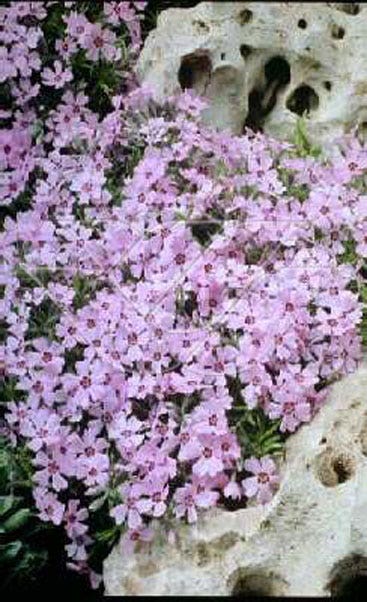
column 145, row 298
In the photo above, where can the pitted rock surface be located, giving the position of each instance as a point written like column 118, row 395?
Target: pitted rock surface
column 309, row 540
column 263, row 64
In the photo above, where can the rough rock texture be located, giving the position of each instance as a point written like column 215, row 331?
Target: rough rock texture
column 264, row 63
column 309, row 541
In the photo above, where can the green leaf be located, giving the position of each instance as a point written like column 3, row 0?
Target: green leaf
column 98, row 503
column 300, row 136
column 10, row 550
column 107, row 534
column 302, row 142
column 30, row 562
column 6, row 503
column 17, row 520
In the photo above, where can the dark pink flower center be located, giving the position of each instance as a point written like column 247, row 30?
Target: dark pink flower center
column 180, row 259
column 85, row 382
column 288, row 407
column 263, row 477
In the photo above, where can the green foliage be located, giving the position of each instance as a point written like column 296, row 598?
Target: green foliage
column 131, row 159
column 359, row 285
column 3, row 331
column 102, row 79
column 39, row 278
column 349, row 254
column 76, row 354
column 304, row 147
column 22, row 203
column 258, row 435
column 43, row 320
column 363, row 295
column 20, row 560
column 9, row 390
column 299, row 191
column 124, row 162
column 84, row 288
column 105, row 532
column 54, row 26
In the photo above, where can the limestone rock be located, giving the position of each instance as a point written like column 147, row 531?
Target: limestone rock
column 263, row 64
column 308, row 541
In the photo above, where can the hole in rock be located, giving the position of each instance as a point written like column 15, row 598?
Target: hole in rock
column 337, row 32
column 362, row 133
column 222, row 56
column 246, row 584
column 333, row 468
column 350, row 8
column 245, row 16
column 348, row 578
column 245, row 51
column 328, row 85
column 302, row 24
column 363, row 437
column 278, row 69
column 195, row 71
column 262, row 100
column 255, row 114
column 278, row 75
column 342, row 469
column 201, row 26
column 303, row 98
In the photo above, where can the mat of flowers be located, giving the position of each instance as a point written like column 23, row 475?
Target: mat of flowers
column 175, row 300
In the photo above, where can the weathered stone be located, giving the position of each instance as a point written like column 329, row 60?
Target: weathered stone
column 309, row 541
column 263, row 64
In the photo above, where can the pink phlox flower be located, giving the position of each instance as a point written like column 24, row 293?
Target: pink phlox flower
column 47, row 356
column 50, row 508
column 73, row 517
column 134, row 536
column 118, row 11
column 42, row 428
column 291, row 410
column 232, row 490
column 265, row 481
column 126, row 430
column 53, row 470
column 133, row 506
column 77, row 549
column 100, row 42
column 56, row 78
column 192, row 496
column 209, row 418
column 150, row 459
column 156, row 492
column 78, row 26
column 210, row 461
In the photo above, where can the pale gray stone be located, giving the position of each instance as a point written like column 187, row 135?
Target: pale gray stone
column 224, row 50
